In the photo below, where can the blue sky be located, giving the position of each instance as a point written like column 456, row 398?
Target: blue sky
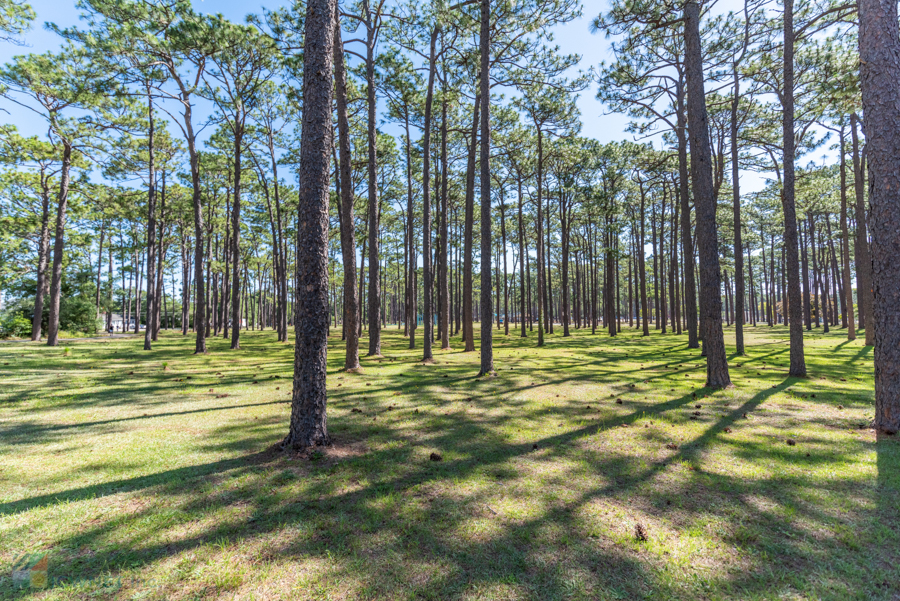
column 573, row 37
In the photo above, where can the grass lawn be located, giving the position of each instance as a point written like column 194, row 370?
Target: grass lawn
column 153, row 475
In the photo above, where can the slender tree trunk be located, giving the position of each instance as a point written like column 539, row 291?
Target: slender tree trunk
column 348, row 240
column 443, row 269
column 797, row 361
column 711, row 321
column 736, row 209
column 236, row 245
column 99, row 267
column 468, row 321
column 864, row 291
column 151, row 226
column 848, row 318
column 643, row 274
column 687, row 242
column 37, row 319
column 374, row 206
column 428, row 284
column 58, row 245
column 540, row 240
column 487, row 348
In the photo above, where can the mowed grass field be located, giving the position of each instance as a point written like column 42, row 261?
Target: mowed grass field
column 156, row 475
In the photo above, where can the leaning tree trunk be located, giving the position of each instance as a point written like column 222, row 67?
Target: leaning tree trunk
column 308, row 426
column 58, row 241
column 795, row 303
column 704, row 196
column 348, row 241
column 487, row 342
column 879, row 52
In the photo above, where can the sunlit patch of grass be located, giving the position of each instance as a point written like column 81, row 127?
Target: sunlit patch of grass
column 154, row 475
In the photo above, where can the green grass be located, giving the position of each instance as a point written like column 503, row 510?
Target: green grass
column 150, row 483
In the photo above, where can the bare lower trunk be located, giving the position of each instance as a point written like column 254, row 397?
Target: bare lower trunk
column 792, row 259
column 43, row 259
column 308, row 425
column 848, row 318
column 151, row 229
column 428, row 276
column 864, row 292
column 468, row 318
column 879, row 49
column 487, row 342
column 374, row 208
column 348, row 240
column 58, row 245
column 704, row 196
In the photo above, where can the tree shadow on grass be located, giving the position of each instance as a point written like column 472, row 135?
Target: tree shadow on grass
column 496, row 517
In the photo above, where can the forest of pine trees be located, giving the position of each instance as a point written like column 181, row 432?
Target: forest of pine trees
column 335, row 169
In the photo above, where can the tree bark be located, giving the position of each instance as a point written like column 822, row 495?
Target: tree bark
column 58, row 245
column 428, row 276
column 848, row 318
column 308, row 425
column 487, row 349
column 864, row 282
column 151, row 226
column 37, row 319
column 348, row 240
column 687, row 242
column 374, row 207
column 792, row 260
column 879, row 49
column 710, row 287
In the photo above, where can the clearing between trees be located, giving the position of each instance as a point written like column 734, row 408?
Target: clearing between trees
column 159, row 476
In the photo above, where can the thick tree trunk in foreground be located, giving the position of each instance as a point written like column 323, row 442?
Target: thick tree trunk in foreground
column 308, row 426
column 792, row 259
column 348, row 240
column 879, row 50
column 704, row 197
column 487, row 342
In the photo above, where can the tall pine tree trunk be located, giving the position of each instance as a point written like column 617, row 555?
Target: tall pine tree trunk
column 308, row 425
column 879, row 49
column 487, row 348
column 348, row 239
column 704, row 195
column 792, row 259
